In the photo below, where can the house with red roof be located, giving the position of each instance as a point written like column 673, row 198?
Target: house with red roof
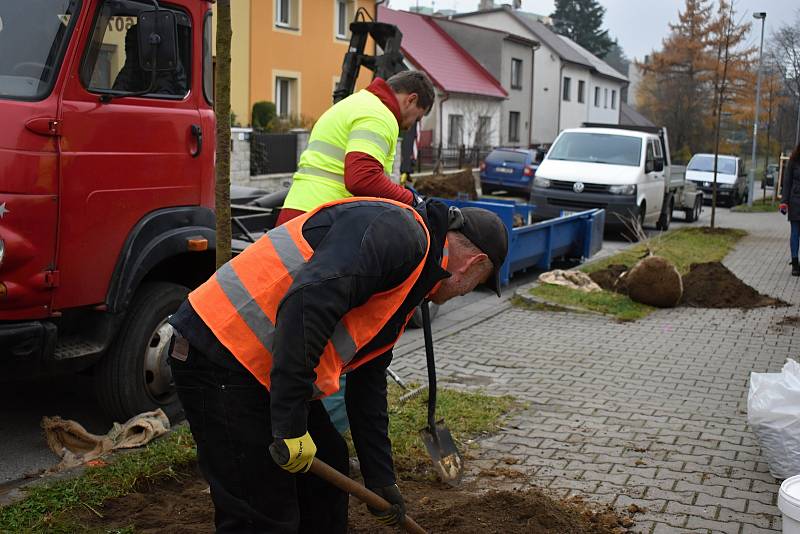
column 469, row 99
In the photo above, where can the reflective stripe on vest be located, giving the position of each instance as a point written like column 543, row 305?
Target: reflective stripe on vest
column 320, row 172
column 239, row 303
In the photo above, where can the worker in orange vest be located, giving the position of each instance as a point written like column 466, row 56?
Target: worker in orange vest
column 270, row 333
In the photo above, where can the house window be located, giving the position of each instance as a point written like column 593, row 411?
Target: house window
column 343, row 15
column 605, row 97
column 287, row 13
column 581, row 89
column 567, row 83
column 613, row 99
column 286, row 96
column 516, row 73
column 513, row 126
column 597, row 97
column 484, row 130
column 454, row 135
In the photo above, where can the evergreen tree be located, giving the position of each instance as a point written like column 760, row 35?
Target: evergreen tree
column 580, row 20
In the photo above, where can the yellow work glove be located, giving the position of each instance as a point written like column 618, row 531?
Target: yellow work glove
column 293, row 454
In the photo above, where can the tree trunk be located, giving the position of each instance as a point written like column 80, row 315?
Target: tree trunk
column 222, row 108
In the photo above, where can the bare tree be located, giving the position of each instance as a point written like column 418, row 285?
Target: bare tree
column 479, row 122
column 222, row 108
column 785, row 53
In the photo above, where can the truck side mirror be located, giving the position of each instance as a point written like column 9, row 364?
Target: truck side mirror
column 649, row 166
column 659, row 165
column 158, row 41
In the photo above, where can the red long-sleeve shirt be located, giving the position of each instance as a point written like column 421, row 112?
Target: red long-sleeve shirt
column 364, row 175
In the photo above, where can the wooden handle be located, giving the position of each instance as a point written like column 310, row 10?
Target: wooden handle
column 347, row 484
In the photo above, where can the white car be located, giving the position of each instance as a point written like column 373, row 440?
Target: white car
column 731, row 177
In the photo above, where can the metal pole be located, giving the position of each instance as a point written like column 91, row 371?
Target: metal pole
column 751, row 180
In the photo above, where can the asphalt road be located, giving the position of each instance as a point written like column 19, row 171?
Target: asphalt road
column 23, row 449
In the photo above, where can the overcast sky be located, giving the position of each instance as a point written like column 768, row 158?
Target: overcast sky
column 638, row 25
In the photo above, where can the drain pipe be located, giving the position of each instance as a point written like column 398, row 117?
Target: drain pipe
column 560, row 94
column 441, row 126
column 534, row 48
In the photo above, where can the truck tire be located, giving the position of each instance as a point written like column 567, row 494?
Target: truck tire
column 666, row 215
column 134, row 376
column 694, row 213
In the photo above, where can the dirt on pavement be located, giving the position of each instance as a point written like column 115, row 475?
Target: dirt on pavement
column 182, row 505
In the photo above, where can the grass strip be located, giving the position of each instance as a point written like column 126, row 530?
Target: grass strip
column 760, row 205
column 52, row 507
column 682, row 247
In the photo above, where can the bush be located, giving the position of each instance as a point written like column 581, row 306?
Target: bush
column 263, row 115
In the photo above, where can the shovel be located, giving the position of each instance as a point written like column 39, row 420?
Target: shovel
column 348, row 485
column 436, row 435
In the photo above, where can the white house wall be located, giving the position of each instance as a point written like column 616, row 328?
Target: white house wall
column 573, row 112
column 606, row 112
column 470, row 108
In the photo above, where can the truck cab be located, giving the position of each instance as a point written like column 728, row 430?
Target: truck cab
column 107, row 189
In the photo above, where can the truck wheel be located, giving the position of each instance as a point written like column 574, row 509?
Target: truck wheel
column 694, row 213
column 666, row 216
column 134, row 376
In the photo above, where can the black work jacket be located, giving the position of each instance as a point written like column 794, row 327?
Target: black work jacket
column 360, row 249
column 790, row 191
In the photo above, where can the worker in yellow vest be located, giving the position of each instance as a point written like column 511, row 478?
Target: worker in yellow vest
column 351, row 149
column 271, row 332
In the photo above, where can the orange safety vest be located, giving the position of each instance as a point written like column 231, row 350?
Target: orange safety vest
column 239, row 303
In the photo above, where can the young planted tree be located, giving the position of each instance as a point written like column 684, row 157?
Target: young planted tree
column 222, row 110
column 731, row 69
column 581, row 21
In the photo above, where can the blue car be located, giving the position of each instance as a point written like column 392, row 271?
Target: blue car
column 510, row 169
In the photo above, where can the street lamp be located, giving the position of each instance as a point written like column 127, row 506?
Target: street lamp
column 757, row 15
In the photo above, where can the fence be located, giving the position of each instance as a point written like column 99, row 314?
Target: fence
column 451, row 158
column 272, row 153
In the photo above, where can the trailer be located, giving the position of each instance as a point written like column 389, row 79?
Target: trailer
column 536, row 245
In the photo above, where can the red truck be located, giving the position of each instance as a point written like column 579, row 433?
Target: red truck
column 106, row 188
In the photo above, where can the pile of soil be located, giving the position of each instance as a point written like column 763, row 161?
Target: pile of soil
column 706, row 285
column 609, row 278
column 455, row 185
column 183, row 505
column 712, row 285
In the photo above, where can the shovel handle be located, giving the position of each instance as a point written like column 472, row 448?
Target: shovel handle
column 347, row 484
column 426, row 329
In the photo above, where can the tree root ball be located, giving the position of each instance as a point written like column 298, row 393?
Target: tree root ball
column 655, row 281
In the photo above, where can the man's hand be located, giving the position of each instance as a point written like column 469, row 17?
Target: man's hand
column 294, row 454
column 418, row 199
column 784, row 207
column 394, row 515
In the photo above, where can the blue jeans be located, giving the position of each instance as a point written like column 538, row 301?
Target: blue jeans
column 794, row 239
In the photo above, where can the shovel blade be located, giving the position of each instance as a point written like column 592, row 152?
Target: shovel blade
column 442, row 450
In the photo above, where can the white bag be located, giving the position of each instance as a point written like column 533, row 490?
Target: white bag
column 773, row 412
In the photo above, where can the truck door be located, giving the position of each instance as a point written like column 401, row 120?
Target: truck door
column 654, row 180
column 123, row 156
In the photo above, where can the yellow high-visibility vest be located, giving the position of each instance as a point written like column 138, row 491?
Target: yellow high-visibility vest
column 359, row 123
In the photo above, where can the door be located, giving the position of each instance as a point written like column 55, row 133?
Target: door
column 123, row 156
column 654, row 180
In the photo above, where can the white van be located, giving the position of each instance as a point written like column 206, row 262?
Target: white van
column 731, row 177
column 624, row 170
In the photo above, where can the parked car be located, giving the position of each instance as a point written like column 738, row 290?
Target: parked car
column 510, row 169
column 731, row 177
column 625, row 170
column 771, row 174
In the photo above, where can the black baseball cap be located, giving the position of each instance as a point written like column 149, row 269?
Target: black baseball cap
column 487, row 232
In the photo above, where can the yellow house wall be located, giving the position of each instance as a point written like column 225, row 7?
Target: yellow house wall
column 312, row 53
column 240, row 58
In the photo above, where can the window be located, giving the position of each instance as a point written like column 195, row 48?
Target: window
column 484, row 130
column 286, row 96
column 597, row 97
column 208, row 60
column 343, row 15
column 581, row 89
column 455, row 133
column 613, row 99
column 567, row 83
column 605, row 98
column 516, row 73
column 111, row 63
column 513, row 126
column 287, row 13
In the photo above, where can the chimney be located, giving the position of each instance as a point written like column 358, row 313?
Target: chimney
column 485, row 5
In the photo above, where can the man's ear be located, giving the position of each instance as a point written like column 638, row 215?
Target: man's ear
column 475, row 260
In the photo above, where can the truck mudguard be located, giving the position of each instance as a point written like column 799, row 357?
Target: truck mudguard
column 158, row 236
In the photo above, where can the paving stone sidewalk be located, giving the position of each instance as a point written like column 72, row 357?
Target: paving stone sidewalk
column 651, row 412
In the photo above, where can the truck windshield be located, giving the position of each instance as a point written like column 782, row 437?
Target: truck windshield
column 705, row 163
column 598, row 148
column 33, row 36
